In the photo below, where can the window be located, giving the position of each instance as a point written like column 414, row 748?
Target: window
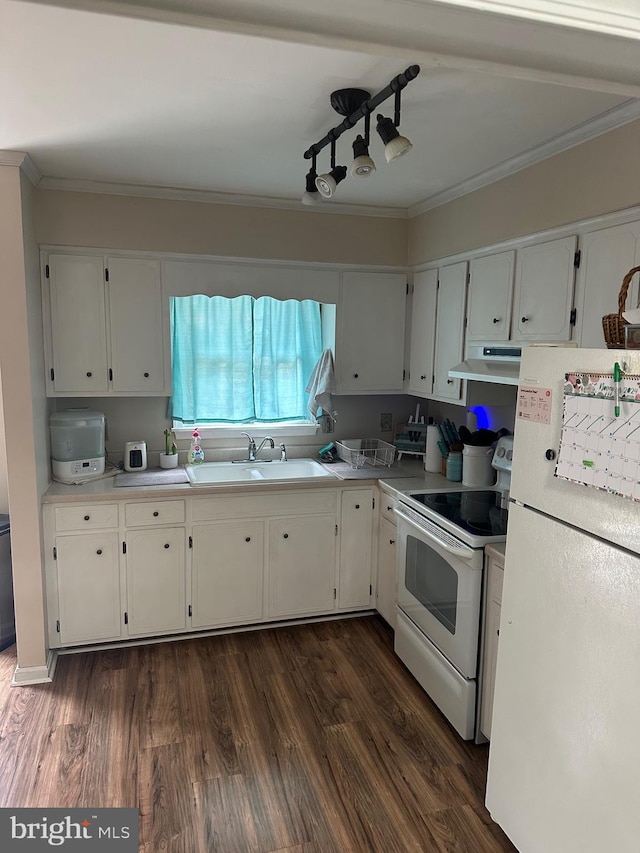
column 243, row 360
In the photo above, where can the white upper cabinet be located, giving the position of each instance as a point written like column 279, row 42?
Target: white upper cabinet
column 106, row 326
column 607, row 256
column 370, row 334
column 450, row 321
column 490, row 297
column 78, row 325
column 545, row 274
column 423, row 329
column 135, row 314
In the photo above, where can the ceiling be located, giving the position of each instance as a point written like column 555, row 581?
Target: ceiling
column 224, row 108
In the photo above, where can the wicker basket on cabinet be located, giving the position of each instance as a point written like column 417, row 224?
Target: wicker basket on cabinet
column 613, row 325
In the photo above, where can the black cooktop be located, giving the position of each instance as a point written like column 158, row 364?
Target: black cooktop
column 477, row 512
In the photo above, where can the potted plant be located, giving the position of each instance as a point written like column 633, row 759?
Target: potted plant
column 169, row 459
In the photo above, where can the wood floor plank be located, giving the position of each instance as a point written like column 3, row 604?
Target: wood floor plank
column 378, row 818
column 460, row 830
column 159, row 688
column 24, row 734
column 205, row 713
column 223, row 811
column 166, row 800
column 110, row 773
column 305, row 739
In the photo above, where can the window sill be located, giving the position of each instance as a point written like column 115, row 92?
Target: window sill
column 257, row 431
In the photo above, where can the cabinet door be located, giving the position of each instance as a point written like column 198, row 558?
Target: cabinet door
column 495, row 575
column 78, row 324
column 135, row 313
column 302, row 563
column 423, row 327
column 227, row 573
column 490, row 297
column 607, row 256
column 356, row 531
column 156, row 600
column 386, row 588
column 452, row 291
column 88, row 587
column 545, row 276
column 371, row 319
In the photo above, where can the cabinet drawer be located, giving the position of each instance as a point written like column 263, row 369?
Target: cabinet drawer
column 92, row 517
column 387, row 507
column 256, row 506
column 154, row 512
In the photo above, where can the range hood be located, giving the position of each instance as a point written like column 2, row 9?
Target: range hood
column 491, row 363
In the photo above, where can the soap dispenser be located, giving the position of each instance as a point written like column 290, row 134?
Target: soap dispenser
column 196, row 453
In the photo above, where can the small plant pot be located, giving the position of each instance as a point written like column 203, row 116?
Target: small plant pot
column 168, row 460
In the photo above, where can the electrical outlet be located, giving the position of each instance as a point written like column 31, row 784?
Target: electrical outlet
column 386, row 422
column 326, row 423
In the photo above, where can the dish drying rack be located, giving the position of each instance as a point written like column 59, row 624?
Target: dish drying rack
column 370, row 451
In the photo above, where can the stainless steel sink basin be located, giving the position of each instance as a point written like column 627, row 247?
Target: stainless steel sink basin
column 210, row 473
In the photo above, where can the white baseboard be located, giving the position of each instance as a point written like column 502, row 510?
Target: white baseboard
column 25, row 675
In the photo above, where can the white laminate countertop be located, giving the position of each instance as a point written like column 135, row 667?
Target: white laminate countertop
column 402, row 476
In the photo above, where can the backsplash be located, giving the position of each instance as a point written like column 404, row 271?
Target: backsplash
column 145, row 419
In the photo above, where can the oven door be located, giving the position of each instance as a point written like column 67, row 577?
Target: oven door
column 440, row 588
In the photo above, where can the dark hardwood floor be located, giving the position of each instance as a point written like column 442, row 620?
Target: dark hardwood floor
column 306, row 739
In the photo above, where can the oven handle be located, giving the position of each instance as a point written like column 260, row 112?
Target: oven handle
column 460, row 550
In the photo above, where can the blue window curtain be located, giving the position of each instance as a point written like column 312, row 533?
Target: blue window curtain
column 242, row 360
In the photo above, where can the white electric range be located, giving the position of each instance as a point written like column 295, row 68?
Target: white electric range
column 441, row 539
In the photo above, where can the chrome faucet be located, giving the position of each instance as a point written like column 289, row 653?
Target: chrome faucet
column 266, row 439
column 252, row 450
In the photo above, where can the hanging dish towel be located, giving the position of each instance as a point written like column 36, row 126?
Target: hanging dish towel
column 322, row 385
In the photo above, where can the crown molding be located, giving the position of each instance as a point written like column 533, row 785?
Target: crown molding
column 208, row 197
column 566, row 13
column 610, row 120
column 22, row 161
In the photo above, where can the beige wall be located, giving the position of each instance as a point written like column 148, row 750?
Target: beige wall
column 159, row 225
column 599, row 176
column 20, row 354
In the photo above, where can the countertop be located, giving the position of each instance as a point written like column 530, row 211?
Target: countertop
column 402, row 475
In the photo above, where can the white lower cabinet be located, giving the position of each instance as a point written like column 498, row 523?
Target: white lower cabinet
column 156, row 594
column 207, row 562
column 302, row 560
column 494, row 567
column 88, row 588
column 356, row 532
column 386, row 588
column 227, row 573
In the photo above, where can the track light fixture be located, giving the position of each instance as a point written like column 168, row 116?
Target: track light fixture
column 311, row 194
column 357, row 104
column 328, row 182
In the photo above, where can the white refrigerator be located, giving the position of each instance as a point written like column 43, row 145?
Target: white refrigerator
column 564, row 758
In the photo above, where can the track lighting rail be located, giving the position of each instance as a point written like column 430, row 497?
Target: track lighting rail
column 394, row 88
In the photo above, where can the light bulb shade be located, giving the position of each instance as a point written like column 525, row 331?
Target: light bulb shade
column 328, row 182
column 395, row 145
column 311, row 194
column 362, row 165
column 310, row 198
column 397, row 148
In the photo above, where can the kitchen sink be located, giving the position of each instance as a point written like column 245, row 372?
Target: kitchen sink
column 210, row 473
